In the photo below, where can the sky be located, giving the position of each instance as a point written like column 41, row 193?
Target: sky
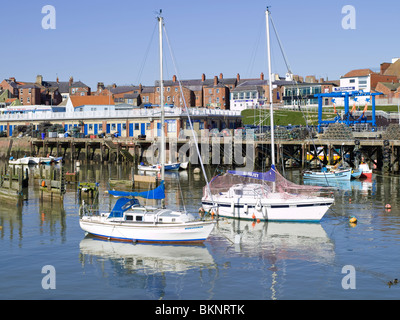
column 116, row 41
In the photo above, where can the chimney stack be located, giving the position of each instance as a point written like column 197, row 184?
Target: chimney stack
column 203, row 77
column 238, row 77
column 100, row 86
column 174, row 78
column 71, row 80
column 39, row 79
column 220, row 76
column 215, row 80
column 262, row 76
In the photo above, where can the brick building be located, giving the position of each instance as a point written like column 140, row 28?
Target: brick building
column 29, row 94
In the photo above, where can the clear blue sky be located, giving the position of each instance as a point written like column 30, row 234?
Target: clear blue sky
column 106, row 41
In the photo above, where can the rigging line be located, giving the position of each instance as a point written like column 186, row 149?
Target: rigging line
column 188, row 115
column 253, row 54
column 146, row 53
column 280, row 45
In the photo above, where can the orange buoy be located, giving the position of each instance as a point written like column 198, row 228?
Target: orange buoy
column 43, row 183
column 258, row 220
column 253, row 216
column 353, row 220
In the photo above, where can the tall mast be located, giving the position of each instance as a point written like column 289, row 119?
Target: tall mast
column 162, row 147
column 271, row 111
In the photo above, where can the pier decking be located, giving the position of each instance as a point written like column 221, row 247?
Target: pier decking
column 370, row 147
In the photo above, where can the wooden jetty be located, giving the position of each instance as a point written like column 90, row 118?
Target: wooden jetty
column 52, row 182
column 13, row 182
column 380, row 152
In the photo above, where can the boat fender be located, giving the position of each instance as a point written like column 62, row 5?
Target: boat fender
column 233, row 206
column 246, row 208
column 43, row 183
column 258, row 205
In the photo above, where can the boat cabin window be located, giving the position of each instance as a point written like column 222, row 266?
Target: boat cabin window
column 238, row 192
column 129, row 218
column 139, row 218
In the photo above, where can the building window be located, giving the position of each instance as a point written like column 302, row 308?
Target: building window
column 136, row 126
column 171, row 126
column 352, row 80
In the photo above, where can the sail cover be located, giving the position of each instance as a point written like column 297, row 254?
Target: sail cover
column 157, row 193
column 266, row 176
column 272, row 178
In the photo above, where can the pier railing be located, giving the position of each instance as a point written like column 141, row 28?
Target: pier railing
column 115, row 114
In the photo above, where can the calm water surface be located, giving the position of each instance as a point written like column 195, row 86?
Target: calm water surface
column 273, row 261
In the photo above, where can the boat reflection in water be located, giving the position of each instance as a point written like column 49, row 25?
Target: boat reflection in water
column 152, row 258
column 149, row 271
column 279, row 240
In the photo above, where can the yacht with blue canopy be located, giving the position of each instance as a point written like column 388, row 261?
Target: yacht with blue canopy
column 130, row 221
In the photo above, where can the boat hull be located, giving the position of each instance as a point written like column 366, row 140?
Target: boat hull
column 191, row 232
column 25, row 160
column 337, row 175
column 157, row 168
column 309, row 210
column 356, row 173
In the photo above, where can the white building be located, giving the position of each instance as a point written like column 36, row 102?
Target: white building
column 249, row 95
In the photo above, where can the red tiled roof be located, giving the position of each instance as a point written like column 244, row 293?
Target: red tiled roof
column 91, row 100
column 358, row 73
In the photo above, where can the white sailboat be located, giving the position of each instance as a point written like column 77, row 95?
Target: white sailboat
column 264, row 196
column 157, row 167
column 129, row 221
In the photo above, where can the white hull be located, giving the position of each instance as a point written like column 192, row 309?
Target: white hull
column 25, row 160
column 157, row 168
column 271, row 209
column 147, row 232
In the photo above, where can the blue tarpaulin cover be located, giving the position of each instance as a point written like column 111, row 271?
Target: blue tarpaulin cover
column 157, row 193
column 121, row 206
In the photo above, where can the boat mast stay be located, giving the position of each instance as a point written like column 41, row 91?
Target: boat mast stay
column 267, row 14
column 162, row 147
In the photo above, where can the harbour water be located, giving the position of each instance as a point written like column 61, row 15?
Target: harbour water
column 327, row 260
